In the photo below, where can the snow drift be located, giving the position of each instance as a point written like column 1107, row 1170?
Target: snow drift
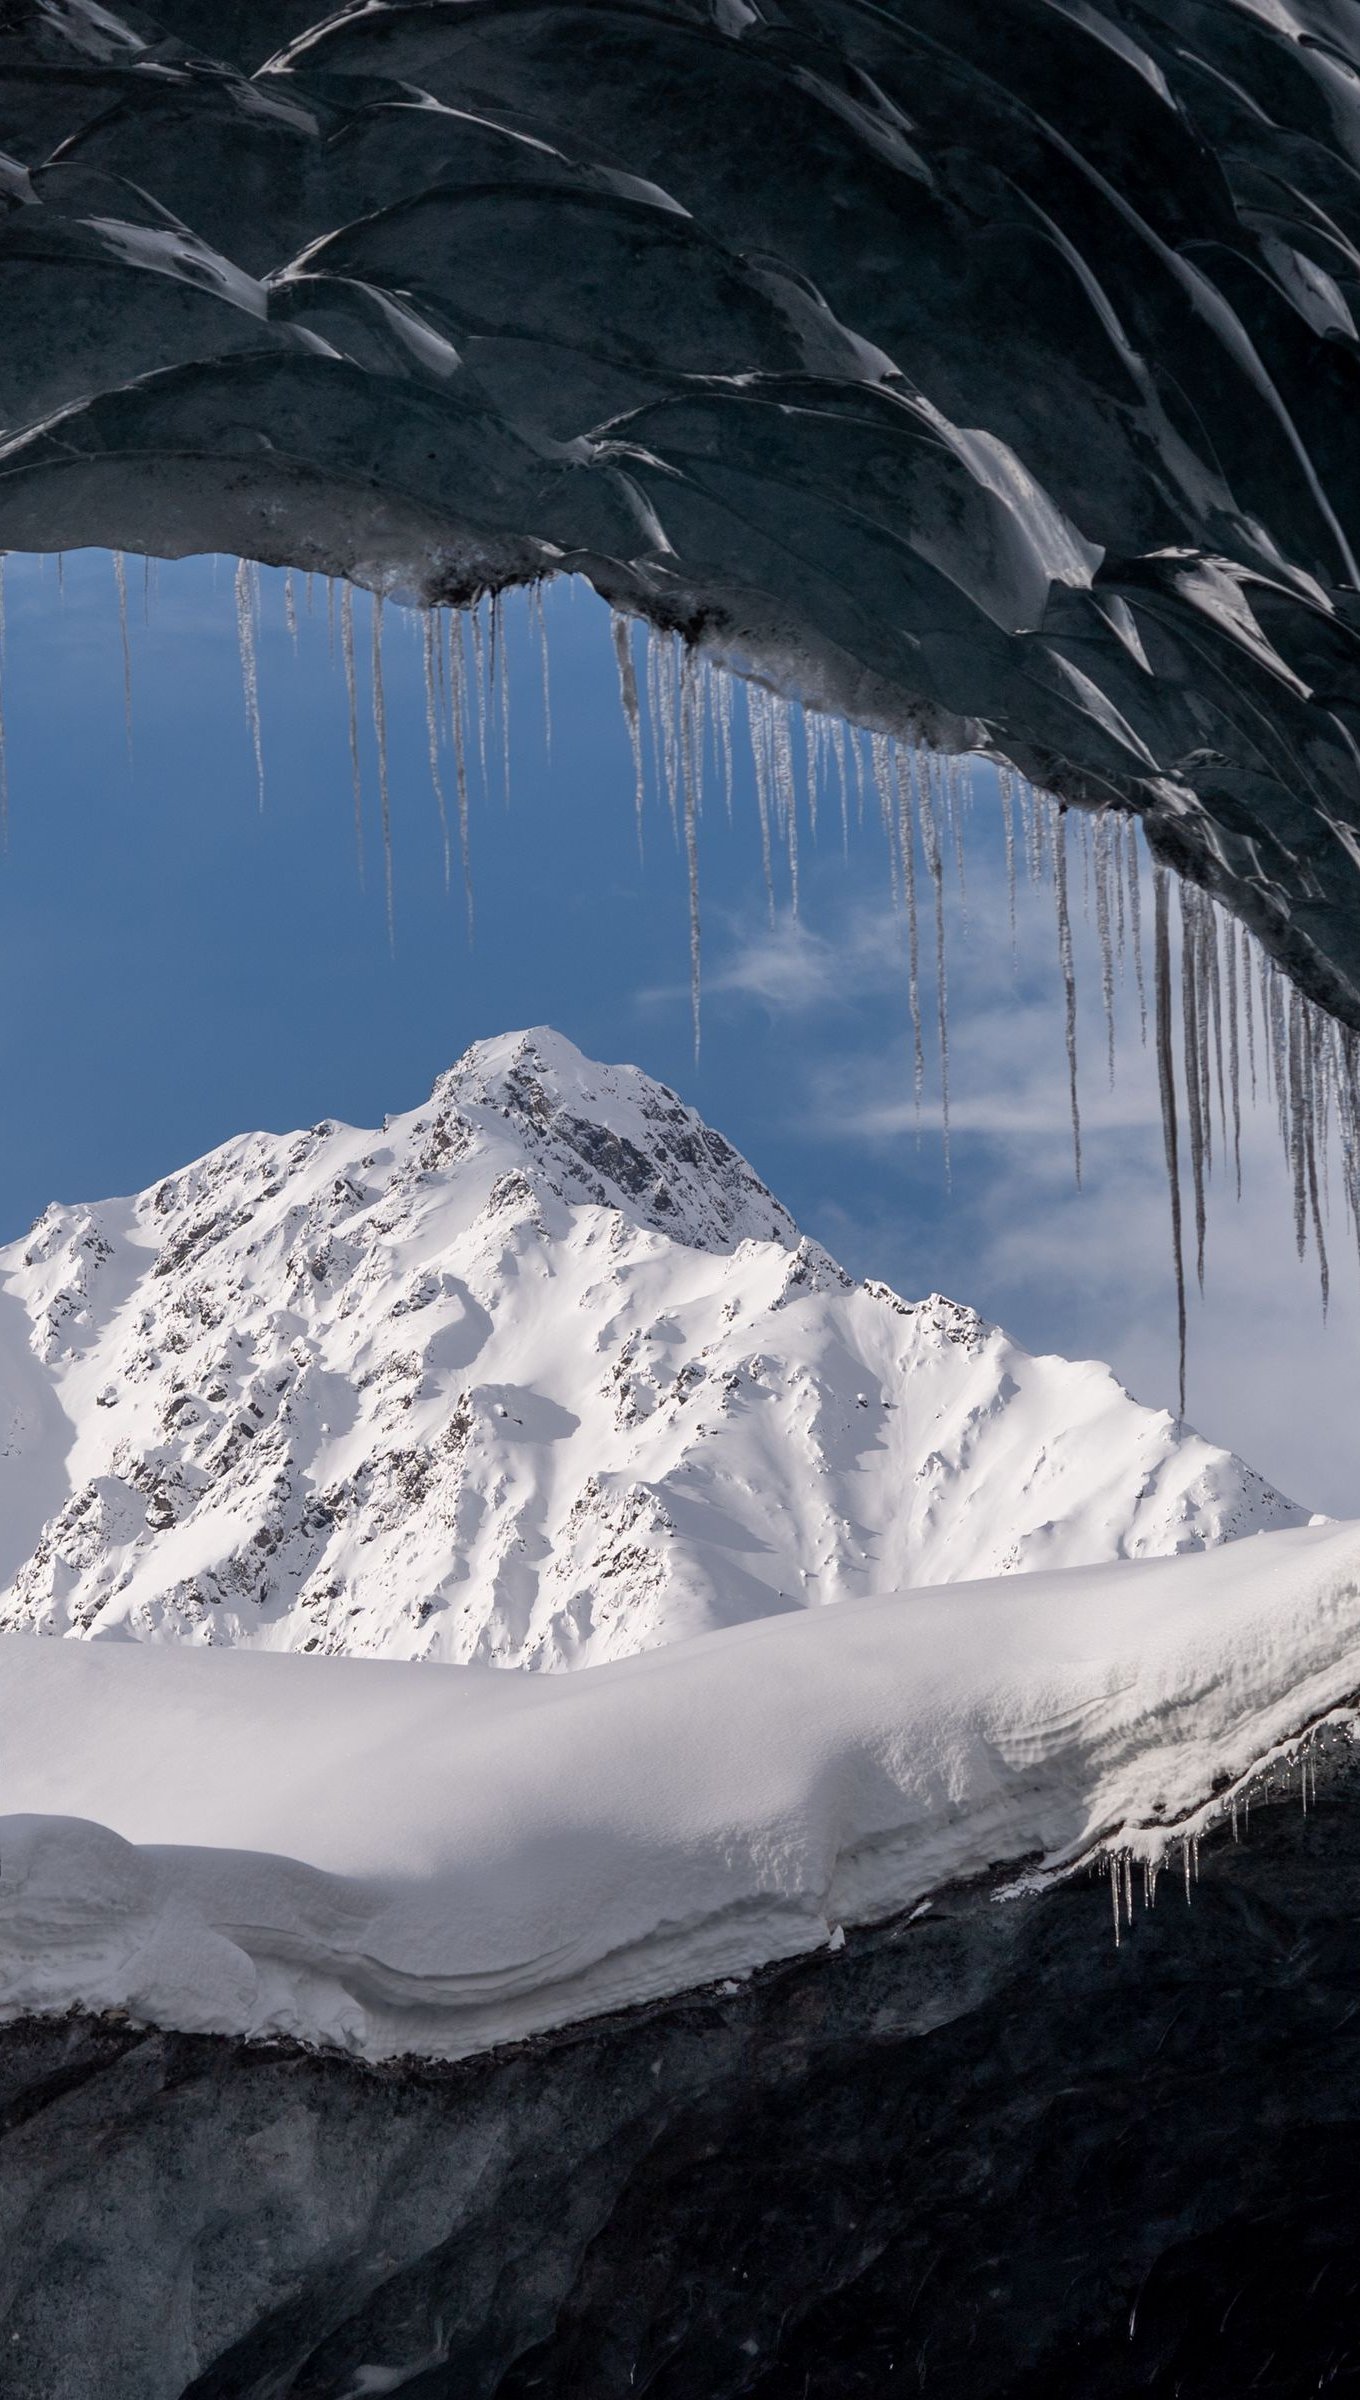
column 398, row 1859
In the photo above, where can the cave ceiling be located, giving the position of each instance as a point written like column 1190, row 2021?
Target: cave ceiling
column 985, row 370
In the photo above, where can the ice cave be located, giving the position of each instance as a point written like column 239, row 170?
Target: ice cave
column 918, row 384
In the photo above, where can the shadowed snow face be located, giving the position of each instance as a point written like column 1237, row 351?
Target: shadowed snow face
column 986, row 373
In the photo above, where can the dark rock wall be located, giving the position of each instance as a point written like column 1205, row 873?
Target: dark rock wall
column 986, row 2153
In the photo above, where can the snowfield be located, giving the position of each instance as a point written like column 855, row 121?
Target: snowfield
column 542, row 1376
column 537, row 1376
column 403, row 1858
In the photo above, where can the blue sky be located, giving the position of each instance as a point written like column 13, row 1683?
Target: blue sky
column 177, row 965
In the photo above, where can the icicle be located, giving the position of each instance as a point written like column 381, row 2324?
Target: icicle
column 1273, row 1011
column 1114, row 1895
column 384, row 796
column 755, row 720
column 786, row 786
column 1103, row 932
column 479, row 684
column 955, row 785
column 1136, row 924
column 245, row 634
column 1302, row 1146
column 498, row 621
column 1068, row 973
column 880, row 761
column 309, row 588
column 1199, row 957
column 1209, row 947
column 1006, row 787
column 1234, row 1063
column 1250, row 1013
column 432, row 737
column 842, row 779
column 120, row 578
column 907, row 804
column 1166, row 1078
column 290, row 606
column 812, row 746
column 690, row 760
column 787, row 795
column 352, row 693
column 661, row 650
column 1195, row 1109
column 930, row 843
column 460, row 734
column 628, row 697
column 1034, row 844
column 541, row 622
column 723, row 716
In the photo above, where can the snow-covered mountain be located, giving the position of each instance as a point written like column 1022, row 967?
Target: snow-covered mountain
column 539, row 1375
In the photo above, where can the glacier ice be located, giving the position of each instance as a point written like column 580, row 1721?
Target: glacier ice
column 444, row 299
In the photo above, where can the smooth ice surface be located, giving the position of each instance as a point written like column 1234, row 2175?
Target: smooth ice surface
column 397, row 1858
column 536, row 1375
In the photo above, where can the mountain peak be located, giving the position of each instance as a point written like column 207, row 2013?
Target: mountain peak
column 614, row 1136
column 539, row 1375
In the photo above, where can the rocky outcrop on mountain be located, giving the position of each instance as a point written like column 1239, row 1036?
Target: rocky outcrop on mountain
column 537, row 1375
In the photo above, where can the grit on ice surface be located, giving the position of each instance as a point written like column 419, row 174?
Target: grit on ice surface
column 405, row 1858
column 538, row 1375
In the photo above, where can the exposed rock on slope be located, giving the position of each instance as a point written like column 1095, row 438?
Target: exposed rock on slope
column 540, row 1374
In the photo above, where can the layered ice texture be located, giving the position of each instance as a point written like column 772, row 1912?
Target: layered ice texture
column 982, row 370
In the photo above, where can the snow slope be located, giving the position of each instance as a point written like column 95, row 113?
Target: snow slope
column 538, row 1375
column 399, row 1859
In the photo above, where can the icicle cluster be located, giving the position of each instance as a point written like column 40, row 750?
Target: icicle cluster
column 1223, row 1015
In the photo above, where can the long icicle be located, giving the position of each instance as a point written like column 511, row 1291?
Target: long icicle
column 1195, row 1107
column 460, row 731
column 632, row 715
column 1234, row 1058
column 384, row 794
column 541, row 621
column 432, row 736
column 907, row 810
column 250, row 678
column 352, row 694
column 1069, row 978
column 1006, row 788
column 755, row 722
column 1136, row 924
column 1166, row 1079
column 1104, row 931
column 690, row 738
column 930, row 843
column 120, row 578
